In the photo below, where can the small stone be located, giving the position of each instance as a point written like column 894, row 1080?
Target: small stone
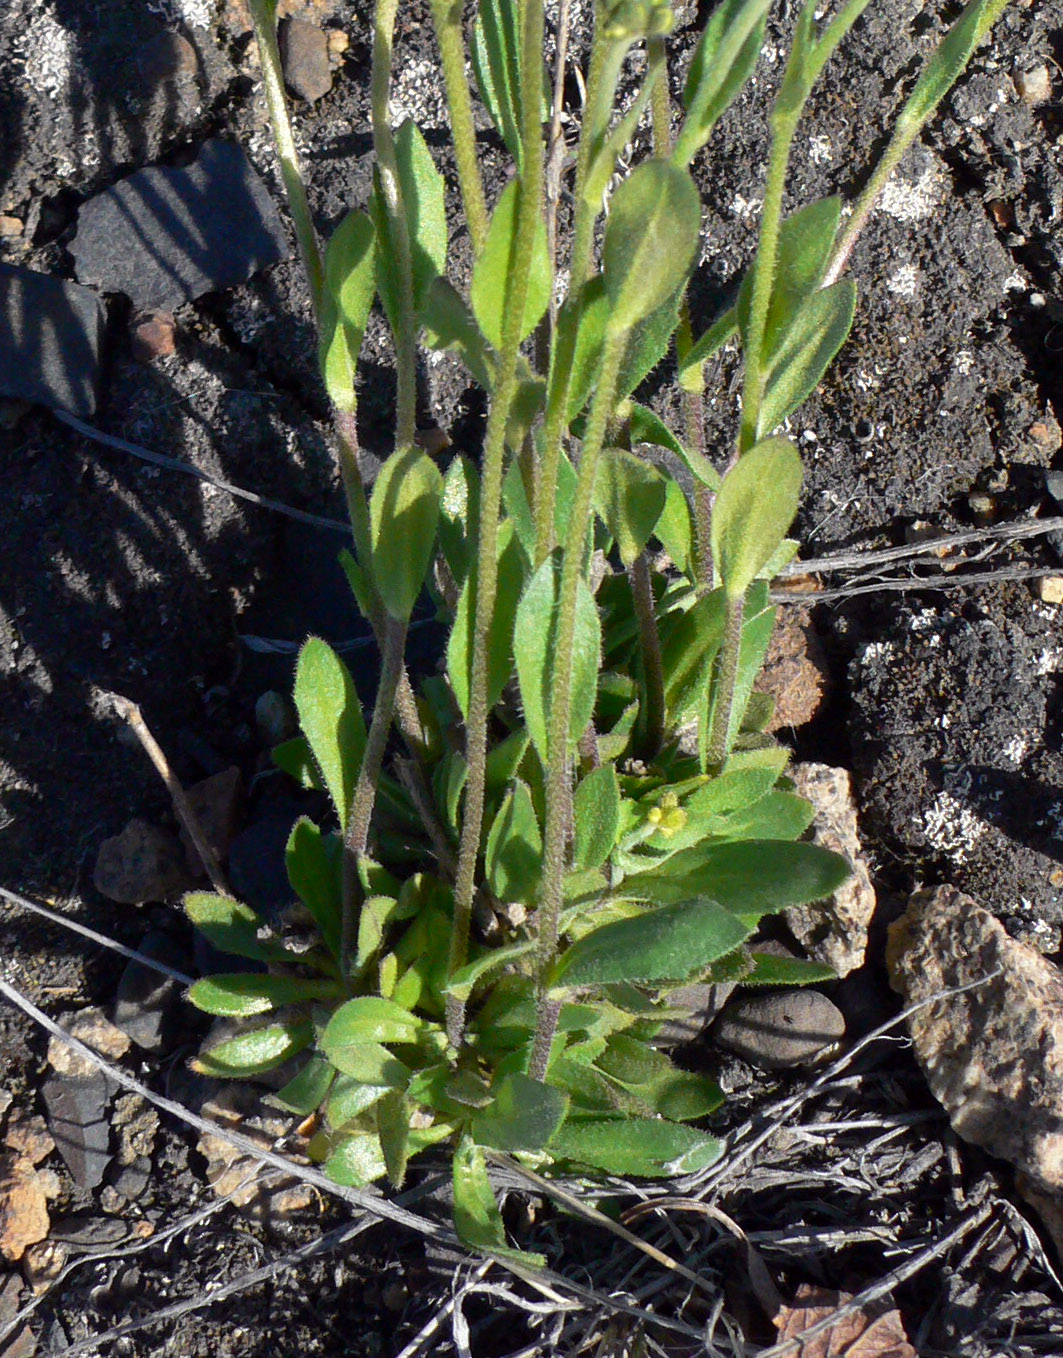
column 168, row 58
column 982, row 506
column 20, row 1344
column 701, row 1003
column 133, row 1181
column 1045, row 438
column 78, row 1117
column 338, row 41
column 304, row 54
column 95, row 1030
column 216, row 803
column 29, row 1136
column 147, row 1001
column 88, row 1232
column 231, row 1172
column 779, row 1028
column 165, row 235
column 51, row 335
column 993, row 1055
column 152, row 335
column 10, row 227
column 42, row 1264
column 274, row 718
column 1050, row 589
column 835, row 931
column 1035, row 85
column 143, row 863
column 137, row 1124
column 795, row 671
column 23, row 1207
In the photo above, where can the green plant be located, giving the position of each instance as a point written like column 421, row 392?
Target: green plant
column 587, row 814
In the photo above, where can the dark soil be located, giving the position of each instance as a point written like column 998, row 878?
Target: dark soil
column 945, row 702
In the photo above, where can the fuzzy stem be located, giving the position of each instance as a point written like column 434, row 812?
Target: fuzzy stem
column 356, row 837
column 446, row 15
column 263, row 18
column 558, row 766
column 726, row 677
column 650, row 647
column 391, row 188
column 528, row 215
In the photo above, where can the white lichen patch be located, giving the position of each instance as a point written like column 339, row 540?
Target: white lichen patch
column 47, row 51
column 915, row 200
column 820, row 151
column 418, row 92
column 904, row 282
column 951, row 827
column 746, row 208
column 1016, row 750
column 963, row 362
column 194, row 13
column 875, row 651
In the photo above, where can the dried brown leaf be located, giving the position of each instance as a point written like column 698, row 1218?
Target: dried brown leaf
column 871, row 1332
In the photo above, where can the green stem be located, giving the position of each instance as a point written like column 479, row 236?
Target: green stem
column 661, row 105
column 391, row 188
column 528, row 213
column 650, row 647
column 263, row 18
column 726, row 678
column 446, row 15
column 558, row 770
column 356, row 837
column 764, row 268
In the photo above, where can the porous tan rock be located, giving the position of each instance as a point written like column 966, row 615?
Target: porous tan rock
column 993, row 1055
column 95, row 1029
column 834, row 931
column 141, row 864
column 795, row 669
column 28, row 1136
column 23, row 1207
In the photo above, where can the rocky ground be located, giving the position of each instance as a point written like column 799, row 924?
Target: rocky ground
column 926, row 1161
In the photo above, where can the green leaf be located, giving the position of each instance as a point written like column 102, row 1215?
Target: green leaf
column 368, row 1063
column 255, row 1051
column 315, row 877
column 647, row 1147
column 523, row 1115
column 403, row 514
column 350, row 283
column 629, row 496
column 349, row 1099
column 503, row 760
column 519, row 511
column 651, row 237
column 459, row 516
column 689, row 642
column 477, row 1219
column 241, row 994
column 232, row 927
column 393, row 1131
column 758, row 623
column 596, row 816
column 779, row 815
column 754, row 507
column 805, row 241
column 448, row 783
column 376, row 914
column 771, row 970
column 331, row 718
column 361, row 586
column 717, row 335
column 684, row 1096
column 805, row 351
column 492, row 273
column 495, row 51
column 588, row 315
column 723, row 61
column 646, row 427
column 534, row 645
column 510, row 580
column 424, row 206
column 368, row 1018
column 356, row 1160
column 514, row 856
column 464, row 981
column 293, row 757
column 306, row 1092
column 675, row 529
column 947, row 64
column 666, row 944
column 448, row 324
column 749, row 877
column 648, row 343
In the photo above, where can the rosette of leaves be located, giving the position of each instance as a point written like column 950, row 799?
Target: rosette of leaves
column 588, row 776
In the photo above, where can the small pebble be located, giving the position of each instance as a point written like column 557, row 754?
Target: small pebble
column 274, row 718
column 779, row 1028
column 10, row 227
column 1050, row 589
column 42, row 1263
column 153, row 335
column 1034, row 86
column 338, row 41
column 304, row 53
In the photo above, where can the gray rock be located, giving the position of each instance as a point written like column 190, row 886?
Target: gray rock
column 51, row 333
column 779, row 1028
column 78, row 1110
column 141, row 864
column 993, row 1055
column 274, row 718
column 165, row 236
column 703, row 1002
column 148, row 1002
column 305, row 57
